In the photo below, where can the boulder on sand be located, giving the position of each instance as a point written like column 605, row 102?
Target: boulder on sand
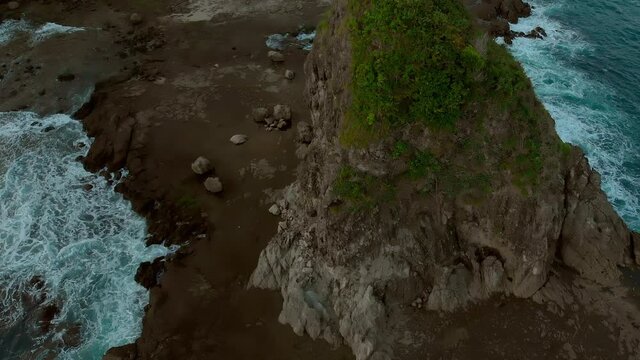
column 213, row 185
column 239, row 139
column 275, row 56
column 259, row 114
column 13, row 5
column 201, row 166
column 282, row 112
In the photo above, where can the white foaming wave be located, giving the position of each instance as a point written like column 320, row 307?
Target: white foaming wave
column 581, row 106
column 51, row 29
column 85, row 245
column 10, row 29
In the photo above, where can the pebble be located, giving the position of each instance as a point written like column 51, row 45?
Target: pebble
column 289, row 74
column 239, row 139
column 213, row 185
column 275, row 56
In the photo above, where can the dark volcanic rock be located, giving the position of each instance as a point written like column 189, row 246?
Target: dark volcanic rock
column 495, row 16
column 72, row 336
column 635, row 241
column 126, row 352
column 148, row 274
column 48, row 313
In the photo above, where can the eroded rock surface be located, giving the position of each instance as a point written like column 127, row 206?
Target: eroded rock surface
column 348, row 276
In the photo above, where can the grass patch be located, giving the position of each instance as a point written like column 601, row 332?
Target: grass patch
column 528, row 165
column 412, row 62
column 361, row 191
column 400, row 148
column 505, row 75
column 565, row 148
column 187, row 201
column 423, row 164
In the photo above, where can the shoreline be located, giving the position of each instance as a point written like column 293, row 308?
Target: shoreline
column 253, row 315
column 201, row 304
column 171, row 223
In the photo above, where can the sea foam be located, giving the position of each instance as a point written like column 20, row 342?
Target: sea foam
column 583, row 107
column 11, row 29
column 84, row 244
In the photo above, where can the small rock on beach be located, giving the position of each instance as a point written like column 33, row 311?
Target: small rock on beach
column 239, row 139
column 201, row 166
column 275, row 56
column 289, row 75
column 213, row 185
column 259, row 114
column 274, row 210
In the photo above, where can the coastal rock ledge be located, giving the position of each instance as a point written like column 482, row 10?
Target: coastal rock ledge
column 350, row 273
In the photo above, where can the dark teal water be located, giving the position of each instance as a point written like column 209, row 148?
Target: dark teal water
column 587, row 73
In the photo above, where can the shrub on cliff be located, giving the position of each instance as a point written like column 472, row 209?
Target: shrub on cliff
column 426, row 64
column 412, row 61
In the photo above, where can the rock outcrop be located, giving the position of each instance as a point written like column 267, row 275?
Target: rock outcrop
column 347, row 276
column 496, row 15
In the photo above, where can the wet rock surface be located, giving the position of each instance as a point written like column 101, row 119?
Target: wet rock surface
column 149, row 273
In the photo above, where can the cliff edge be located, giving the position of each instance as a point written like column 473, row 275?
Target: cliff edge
column 431, row 177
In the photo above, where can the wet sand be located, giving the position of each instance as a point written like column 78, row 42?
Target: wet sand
column 202, row 309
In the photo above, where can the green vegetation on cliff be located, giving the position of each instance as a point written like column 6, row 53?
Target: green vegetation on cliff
column 418, row 61
column 424, row 64
column 411, row 62
column 361, row 191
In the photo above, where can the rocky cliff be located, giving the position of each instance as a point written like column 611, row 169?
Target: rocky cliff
column 394, row 215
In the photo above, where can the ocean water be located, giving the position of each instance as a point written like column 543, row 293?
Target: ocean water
column 60, row 242
column 587, row 74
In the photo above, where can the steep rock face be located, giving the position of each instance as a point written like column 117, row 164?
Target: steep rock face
column 346, row 275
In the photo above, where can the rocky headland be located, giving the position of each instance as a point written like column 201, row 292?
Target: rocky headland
column 392, row 215
column 472, row 233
